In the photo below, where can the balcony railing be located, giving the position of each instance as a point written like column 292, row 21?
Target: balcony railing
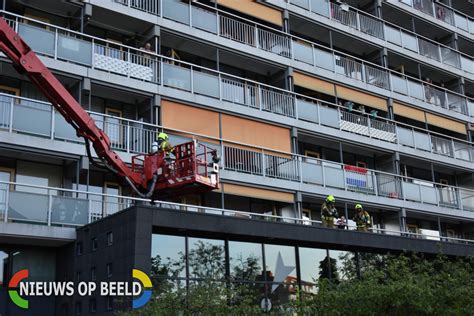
column 136, row 137
column 295, row 48
column 389, row 32
column 443, row 13
column 33, row 204
column 126, row 61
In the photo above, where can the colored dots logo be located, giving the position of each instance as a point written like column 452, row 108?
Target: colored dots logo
column 12, row 288
column 146, row 284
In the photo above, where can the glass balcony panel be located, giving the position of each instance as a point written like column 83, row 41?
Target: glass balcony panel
column 303, row 52
column 428, row 49
column 5, row 108
column 425, row 6
column 461, row 22
column 407, row 2
column 333, row 175
column 450, row 57
column 348, row 67
column 307, row 111
column 64, row 130
column 467, row 198
column 422, row 141
column 409, row 41
column 388, row 185
column 329, row 116
column 463, row 151
column 39, row 39
column 33, row 118
column 371, row 26
column 393, row 35
column 27, row 206
column 176, row 77
column 207, row 84
column 444, row 14
column 76, row 50
column 467, row 64
column 399, row 84
column 415, row 90
column 274, row 43
column 312, row 171
column 281, row 167
column 320, row 7
column 344, row 15
column 456, row 103
column 447, row 196
column 176, row 10
column 204, row 20
column 376, row 77
column 69, row 210
column 411, row 191
column 442, row 146
column 324, row 59
column 359, row 180
column 301, row 3
column 428, row 194
column 405, row 136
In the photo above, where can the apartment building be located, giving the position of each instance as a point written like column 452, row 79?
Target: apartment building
column 371, row 101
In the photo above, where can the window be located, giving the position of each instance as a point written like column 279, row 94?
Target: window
column 109, row 269
column 93, row 274
column 112, row 126
column 109, row 303
column 92, row 305
column 206, row 258
column 9, row 90
column 168, row 251
column 312, row 154
column 79, row 248
column 361, row 164
column 93, row 244
column 246, row 260
column 110, row 238
column 78, row 308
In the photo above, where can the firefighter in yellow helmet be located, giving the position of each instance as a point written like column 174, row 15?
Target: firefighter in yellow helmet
column 329, row 212
column 164, row 145
column 362, row 219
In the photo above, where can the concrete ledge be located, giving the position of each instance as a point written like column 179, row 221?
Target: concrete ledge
column 34, row 234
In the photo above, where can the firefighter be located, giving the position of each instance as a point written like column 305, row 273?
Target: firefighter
column 329, row 212
column 164, row 145
column 362, row 218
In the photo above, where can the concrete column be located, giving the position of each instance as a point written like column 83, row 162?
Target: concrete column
column 384, row 57
column 455, row 40
column 378, row 8
column 341, row 154
column 402, row 216
column 86, row 88
column 396, row 162
column 286, row 21
column 156, row 105
column 461, row 84
column 390, row 114
column 299, row 204
column 294, row 140
column 289, row 79
column 86, row 13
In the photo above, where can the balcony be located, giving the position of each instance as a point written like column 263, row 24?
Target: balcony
column 442, row 13
column 136, row 137
column 270, row 40
column 51, row 206
column 388, row 32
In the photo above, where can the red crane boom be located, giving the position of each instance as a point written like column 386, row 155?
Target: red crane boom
column 194, row 169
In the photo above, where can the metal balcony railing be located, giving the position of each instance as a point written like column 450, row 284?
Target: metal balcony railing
column 443, row 13
column 33, row 204
column 143, row 65
column 250, row 33
column 37, row 118
column 392, row 33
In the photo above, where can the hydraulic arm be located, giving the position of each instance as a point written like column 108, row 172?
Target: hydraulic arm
column 149, row 173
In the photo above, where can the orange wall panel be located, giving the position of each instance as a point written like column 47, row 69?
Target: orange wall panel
column 255, row 133
column 190, row 119
column 253, row 8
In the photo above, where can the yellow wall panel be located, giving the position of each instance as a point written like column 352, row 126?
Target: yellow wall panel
column 361, row 98
column 312, row 83
column 258, row 193
column 408, row 111
column 253, row 8
column 446, row 123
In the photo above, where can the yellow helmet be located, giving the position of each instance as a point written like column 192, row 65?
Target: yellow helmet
column 163, row 136
column 330, row 199
column 358, row 206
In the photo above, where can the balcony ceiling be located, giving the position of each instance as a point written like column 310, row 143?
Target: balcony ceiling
column 116, row 22
column 309, row 30
column 60, row 8
column 117, row 94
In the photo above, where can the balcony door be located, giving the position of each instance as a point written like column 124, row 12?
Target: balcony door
column 112, row 127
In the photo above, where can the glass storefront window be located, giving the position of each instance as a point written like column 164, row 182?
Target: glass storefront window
column 310, row 268
column 206, row 258
column 280, row 264
column 168, row 256
column 245, row 260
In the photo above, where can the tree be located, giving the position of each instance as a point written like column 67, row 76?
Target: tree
column 328, row 271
